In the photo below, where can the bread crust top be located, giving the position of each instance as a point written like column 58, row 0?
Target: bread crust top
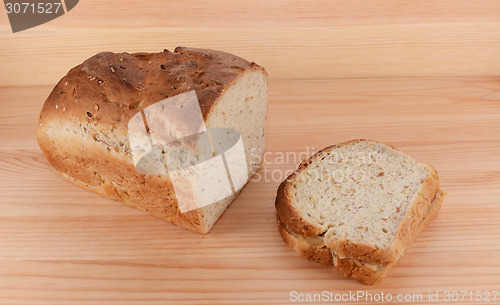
column 110, row 88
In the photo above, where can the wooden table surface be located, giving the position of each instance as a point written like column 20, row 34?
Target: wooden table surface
column 421, row 75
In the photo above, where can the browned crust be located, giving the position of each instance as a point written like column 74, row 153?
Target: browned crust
column 113, row 87
column 103, row 93
column 365, row 272
column 345, row 248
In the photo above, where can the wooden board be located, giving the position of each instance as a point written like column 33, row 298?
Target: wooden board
column 421, row 76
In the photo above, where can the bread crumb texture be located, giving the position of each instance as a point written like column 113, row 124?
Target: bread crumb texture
column 359, row 192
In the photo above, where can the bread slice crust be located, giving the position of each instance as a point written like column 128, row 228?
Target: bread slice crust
column 363, row 271
column 346, row 248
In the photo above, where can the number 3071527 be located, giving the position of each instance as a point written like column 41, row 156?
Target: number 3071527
column 33, row 8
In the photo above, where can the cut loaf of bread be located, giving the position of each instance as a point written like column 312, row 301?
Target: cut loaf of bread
column 357, row 205
column 83, row 128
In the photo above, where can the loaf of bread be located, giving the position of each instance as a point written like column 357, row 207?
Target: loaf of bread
column 86, row 122
column 357, row 206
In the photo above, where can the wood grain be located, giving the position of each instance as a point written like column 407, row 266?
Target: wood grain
column 420, row 75
column 350, row 51
column 291, row 39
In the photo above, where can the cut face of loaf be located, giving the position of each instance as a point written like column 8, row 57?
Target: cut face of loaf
column 83, row 128
column 362, row 198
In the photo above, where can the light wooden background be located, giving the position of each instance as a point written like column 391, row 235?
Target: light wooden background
column 421, row 75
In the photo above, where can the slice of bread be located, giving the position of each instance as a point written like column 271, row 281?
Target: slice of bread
column 357, row 205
